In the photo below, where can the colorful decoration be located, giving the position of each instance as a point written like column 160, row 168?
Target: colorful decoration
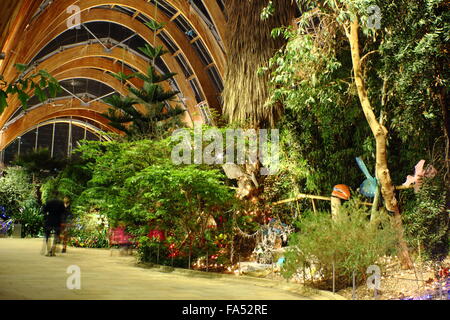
column 368, row 187
column 341, row 191
column 419, row 173
column 268, row 238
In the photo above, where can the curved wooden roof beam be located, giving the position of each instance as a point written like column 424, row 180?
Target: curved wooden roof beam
column 97, row 63
column 201, row 27
column 103, row 77
column 217, row 16
column 196, row 65
column 58, row 15
column 69, row 107
column 70, row 56
column 94, row 74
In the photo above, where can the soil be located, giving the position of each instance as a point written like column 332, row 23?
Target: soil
column 406, row 284
column 395, row 283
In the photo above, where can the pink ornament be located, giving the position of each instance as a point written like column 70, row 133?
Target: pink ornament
column 419, row 173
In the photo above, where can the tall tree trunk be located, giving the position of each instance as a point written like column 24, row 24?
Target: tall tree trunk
column 249, row 46
column 380, row 133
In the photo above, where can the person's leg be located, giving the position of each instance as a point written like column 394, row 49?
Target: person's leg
column 55, row 240
column 65, row 237
column 45, row 248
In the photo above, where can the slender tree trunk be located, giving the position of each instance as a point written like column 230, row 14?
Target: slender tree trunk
column 380, row 133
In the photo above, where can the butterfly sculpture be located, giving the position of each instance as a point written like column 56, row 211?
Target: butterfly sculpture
column 369, row 186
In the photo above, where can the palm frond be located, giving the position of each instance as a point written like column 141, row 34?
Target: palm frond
column 246, row 92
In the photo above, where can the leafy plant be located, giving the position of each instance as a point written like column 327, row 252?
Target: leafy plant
column 15, row 189
column 427, row 220
column 43, row 84
column 146, row 113
column 31, row 218
column 351, row 244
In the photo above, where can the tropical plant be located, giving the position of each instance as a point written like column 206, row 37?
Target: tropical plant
column 31, row 218
column 350, row 244
column 40, row 164
column 15, row 189
column 337, row 56
column 43, row 84
column 147, row 113
column 245, row 91
column 427, row 220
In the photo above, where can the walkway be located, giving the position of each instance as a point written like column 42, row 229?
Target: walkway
column 25, row 274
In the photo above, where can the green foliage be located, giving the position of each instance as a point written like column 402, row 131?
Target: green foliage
column 404, row 74
column 413, row 57
column 89, row 230
column 82, row 238
column 31, row 218
column 351, row 243
column 40, row 164
column 70, row 182
column 323, row 129
column 146, row 113
column 15, row 189
column 17, row 196
column 43, row 84
column 427, row 220
column 134, row 183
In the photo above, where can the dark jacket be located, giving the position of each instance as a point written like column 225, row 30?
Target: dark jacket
column 53, row 213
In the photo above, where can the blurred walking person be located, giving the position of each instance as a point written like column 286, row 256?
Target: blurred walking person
column 66, row 224
column 53, row 214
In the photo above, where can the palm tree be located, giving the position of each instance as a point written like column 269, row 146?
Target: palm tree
column 249, row 47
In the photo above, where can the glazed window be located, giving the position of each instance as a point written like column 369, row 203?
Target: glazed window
column 202, row 52
column 165, row 7
column 184, row 65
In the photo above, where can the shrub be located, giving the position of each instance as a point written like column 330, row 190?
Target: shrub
column 89, row 231
column 15, row 189
column 352, row 243
column 31, row 218
column 427, row 221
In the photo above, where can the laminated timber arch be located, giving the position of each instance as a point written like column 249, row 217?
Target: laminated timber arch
column 107, row 15
column 28, row 36
column 82, row 123
column 69, row 59
column 71, row 106
column 57, row 14
column 65, row 108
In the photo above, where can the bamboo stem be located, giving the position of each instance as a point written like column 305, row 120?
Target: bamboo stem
column 314, row 205
column 310, row 196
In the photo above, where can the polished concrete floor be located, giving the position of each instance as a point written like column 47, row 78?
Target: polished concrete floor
column 26, row 274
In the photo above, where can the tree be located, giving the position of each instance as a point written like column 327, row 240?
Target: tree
column 334, row 38
column 249, row 46
column 156, row 115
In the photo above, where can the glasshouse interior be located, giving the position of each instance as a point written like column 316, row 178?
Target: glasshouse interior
column 224, row 149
